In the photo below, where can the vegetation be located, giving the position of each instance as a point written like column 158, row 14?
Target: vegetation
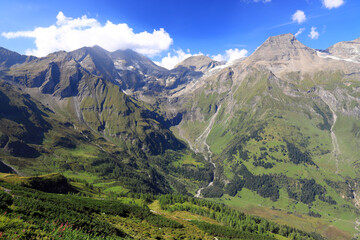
column 272, row 144
column 236, row 224
column 26, row 213
column 296, row 156
column 46, row 214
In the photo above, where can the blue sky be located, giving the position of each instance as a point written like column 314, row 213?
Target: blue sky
column 220, row 29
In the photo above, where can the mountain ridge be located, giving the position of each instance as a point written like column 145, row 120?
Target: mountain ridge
column 276, row 130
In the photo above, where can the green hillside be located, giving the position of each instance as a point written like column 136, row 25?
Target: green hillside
column 274, row 135
column 274, row 148
column 32, row 214
column 118, row 143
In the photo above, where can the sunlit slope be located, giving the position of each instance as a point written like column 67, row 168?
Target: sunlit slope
column 288, row 136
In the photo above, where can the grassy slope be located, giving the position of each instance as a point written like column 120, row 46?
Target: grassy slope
column 115, row 157
column 56, row 216
column 304, row 121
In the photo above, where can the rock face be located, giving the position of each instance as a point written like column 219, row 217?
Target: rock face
column 282, row 48
column 283, row 52
column 130, row 60
column 346, row 50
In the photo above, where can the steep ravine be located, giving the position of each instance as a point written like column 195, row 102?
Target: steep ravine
column 205, row 148
column 330, row 100
column 336, row 150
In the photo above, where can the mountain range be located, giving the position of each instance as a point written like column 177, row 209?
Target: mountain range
column 275, row 134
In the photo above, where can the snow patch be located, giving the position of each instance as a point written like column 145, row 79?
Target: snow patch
column 326, row 55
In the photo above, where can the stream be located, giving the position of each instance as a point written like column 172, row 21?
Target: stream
column 205, row 149
column 336, row 150
column 328, row 99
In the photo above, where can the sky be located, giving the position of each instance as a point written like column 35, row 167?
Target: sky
column 168, row 31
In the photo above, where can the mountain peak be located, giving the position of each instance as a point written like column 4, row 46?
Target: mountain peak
column 124, row 59
column 280, row 51
column 282, row 42
column 282, row 37
column 198, row 62
column 346, row 50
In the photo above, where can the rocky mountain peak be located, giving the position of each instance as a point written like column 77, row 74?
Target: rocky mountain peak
column 198, row 63
column 287, row 37
column 349, row 50
column 282, row 52
column 130, row 60
column 357, row 40
column 284, row 46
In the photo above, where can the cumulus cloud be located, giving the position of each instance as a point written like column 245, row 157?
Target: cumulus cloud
column 299, row 16
column 329, row 4
column 72, row 33
column 313, row 33
column 231, row 55
column 301, row 30
column 170, row 60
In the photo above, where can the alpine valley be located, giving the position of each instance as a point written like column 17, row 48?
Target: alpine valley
column 206, row 150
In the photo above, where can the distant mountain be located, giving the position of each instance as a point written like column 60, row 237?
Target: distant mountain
column 199, row 63
column 9, row 58
column 282, row 51
column 67, row 112
column 128, row 59
column 346, row 50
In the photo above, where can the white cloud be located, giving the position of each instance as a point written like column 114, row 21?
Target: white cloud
column 313, row 33
column 301, row 30
column 171, row 60
column 69, row 34
column 231, row 55
column 264, row 1
column 329, row 4
column 299, row 16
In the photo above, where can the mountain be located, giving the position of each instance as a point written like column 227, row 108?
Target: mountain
column 128, row 59
column 348, row 51
column 141, row 77
column 9, row 58
column 278, row 126
column 65, row 112
column 199, row 63
column 275, row 134
column 283, row 51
